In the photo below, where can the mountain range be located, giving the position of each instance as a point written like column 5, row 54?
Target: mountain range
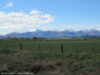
column 55, row 34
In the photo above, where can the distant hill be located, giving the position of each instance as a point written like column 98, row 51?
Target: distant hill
column 55, row 34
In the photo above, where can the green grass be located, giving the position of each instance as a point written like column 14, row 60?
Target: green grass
column 52, row 46
column 43, row 57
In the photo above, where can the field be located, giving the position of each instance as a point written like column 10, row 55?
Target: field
column 50, row 56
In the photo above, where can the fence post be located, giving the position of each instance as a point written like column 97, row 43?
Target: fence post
column 49, row 48
column 93, row 50
column 28, row 46
column 39, row 47
column 62, row 50
column 77, row 48
column 20, row 46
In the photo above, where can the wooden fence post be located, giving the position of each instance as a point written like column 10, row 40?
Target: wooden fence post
column 62, row 49
column 39, row 47
column 93, row 50
column 20, row 46
column 77, row 48
column 49, row 48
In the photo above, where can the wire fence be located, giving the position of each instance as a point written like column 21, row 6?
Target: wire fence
column 58, row 48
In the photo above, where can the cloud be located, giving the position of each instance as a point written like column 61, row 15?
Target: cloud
column 71, row 27
column 21, row 22
column 35, row 12
column 10, row 4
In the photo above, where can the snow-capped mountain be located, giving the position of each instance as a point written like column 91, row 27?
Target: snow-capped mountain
column 55, row 34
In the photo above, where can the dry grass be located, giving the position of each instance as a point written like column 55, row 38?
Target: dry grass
column 44, row 64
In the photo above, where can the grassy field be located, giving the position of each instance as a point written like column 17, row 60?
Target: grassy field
column 50, row 56
column 51, row 45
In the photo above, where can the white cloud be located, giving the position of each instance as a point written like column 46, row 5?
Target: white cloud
column 10, row 4
column 21, row 22
column 71, row 27
column 35, row 12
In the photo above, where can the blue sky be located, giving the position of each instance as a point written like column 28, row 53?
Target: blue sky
column 52, row 15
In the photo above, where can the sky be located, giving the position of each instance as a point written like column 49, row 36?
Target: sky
column 31, row 15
